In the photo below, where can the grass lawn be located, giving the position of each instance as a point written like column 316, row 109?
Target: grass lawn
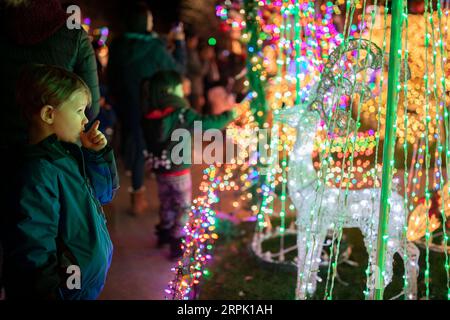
column 235, row 273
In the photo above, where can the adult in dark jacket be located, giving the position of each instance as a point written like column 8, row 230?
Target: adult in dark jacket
column 36, row 32
column 135, row 55
column 195, row 71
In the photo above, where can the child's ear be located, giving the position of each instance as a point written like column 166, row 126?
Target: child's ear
column 47, row 114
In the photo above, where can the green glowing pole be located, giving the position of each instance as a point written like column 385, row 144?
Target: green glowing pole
column 389, row 141
column 258, row 104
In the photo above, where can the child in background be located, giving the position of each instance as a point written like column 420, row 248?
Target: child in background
column 165, row 110
column 57, row 244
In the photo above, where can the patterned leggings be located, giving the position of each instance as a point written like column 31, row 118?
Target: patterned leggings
column 175, row 197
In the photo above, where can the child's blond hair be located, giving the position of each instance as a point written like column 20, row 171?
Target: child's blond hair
column 40, row 85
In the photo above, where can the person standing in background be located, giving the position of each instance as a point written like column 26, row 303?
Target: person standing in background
column 195, row 72
column 135, row 55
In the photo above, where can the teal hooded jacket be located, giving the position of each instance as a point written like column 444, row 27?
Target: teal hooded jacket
column 58, row 222
column 133, row 57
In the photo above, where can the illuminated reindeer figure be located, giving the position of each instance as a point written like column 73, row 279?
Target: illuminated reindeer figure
column 320, row 207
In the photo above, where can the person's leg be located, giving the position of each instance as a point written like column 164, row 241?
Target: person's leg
column 138, row 164
column 175, row 195
column 138, row 195
column 182, row 200
column 127, row 150
column 167, row 213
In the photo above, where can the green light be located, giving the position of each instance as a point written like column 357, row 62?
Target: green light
column 212, row 41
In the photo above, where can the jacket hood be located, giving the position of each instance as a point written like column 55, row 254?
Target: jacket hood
column 32, row 23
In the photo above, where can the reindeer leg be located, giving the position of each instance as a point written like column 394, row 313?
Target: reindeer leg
column 300, row 291
column 308, row 259
column 371, row 240
column 317, row 252
column 412, row 270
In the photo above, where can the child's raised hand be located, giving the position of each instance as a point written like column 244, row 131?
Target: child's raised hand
column 93, row 139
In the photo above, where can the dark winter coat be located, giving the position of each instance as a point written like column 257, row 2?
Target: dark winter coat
column 195, row 72
column 58, row 221
column 133, row 57
column 38, row 34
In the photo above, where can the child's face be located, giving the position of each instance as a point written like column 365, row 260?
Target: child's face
column 69, row 119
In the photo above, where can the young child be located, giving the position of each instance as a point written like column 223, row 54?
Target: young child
column 57, row 243
column 165, row 110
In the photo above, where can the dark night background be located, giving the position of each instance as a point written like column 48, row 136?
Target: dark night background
column 108, row 12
